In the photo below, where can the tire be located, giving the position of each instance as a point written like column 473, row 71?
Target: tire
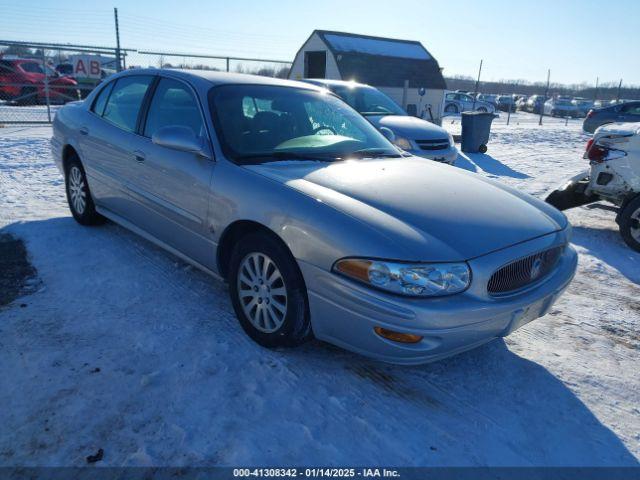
column 28, row 96
column 482, row 109
column 482, row 148
column 78, row 194
column 451, row 108
column 629, row 222
column 252, row 293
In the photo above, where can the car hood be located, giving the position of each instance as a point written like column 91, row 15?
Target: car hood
column 435, row 212
column 409, row 127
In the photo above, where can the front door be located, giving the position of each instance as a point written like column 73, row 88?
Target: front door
column 315, row 64
column 174, row 185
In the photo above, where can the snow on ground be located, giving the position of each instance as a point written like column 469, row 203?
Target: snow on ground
column 127, row 349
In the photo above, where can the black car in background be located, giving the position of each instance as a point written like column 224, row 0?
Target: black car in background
column 622, row 112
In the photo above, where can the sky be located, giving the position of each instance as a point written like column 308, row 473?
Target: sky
column 578, row 41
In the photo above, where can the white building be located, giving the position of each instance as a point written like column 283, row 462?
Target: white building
column 399, row 68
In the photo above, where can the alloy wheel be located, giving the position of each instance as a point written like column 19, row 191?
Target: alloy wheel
column 262, row 292
column 77, row 190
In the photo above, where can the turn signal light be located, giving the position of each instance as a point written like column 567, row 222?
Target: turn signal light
column 397, row 336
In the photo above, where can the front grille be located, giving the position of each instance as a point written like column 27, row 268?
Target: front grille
column 528, row 270
column 438, row 144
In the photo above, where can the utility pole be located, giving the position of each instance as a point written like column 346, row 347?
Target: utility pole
column 475, row 93
column 118, row 54
column 618, row 94
column 546, row 94
column 595, row 94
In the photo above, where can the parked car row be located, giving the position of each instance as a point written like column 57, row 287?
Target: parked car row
column 598, row 112
column 321, row 226
column 458, row 102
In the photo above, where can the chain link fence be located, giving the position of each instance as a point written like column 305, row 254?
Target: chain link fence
column 37, row 78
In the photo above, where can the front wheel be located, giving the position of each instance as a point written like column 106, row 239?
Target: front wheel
column 268, row 292
column 629, row 222
column 79, row 196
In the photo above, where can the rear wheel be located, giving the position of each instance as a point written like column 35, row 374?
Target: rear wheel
column 268, row 292
column 451, row 108
column 630, row 224
column 482, row 109
column 79, row 196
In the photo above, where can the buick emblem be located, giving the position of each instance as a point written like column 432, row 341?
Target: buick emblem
column 535, row 268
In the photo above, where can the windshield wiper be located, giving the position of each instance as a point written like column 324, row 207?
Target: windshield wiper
column 265, row 157
column 374, row 153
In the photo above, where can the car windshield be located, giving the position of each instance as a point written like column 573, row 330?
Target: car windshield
column 368, row 101
column 262, row 123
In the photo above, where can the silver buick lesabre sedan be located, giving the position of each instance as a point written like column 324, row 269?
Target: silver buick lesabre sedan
column 321, row 227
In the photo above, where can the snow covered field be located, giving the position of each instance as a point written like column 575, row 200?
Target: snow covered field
column 127, row 349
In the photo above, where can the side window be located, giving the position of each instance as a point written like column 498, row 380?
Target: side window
column 101, row 99
column 31, row 67
column 173, row 104
column 631, row 109
column 125, row 101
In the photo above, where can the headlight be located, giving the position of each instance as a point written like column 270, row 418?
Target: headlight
column 403, row 143
column 417, row 280
column 452, row 142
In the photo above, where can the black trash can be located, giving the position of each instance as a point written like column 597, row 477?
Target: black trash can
column 476, row 127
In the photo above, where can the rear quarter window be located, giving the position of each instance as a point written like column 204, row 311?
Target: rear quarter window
column 101, row 99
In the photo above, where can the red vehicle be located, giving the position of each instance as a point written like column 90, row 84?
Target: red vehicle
column 22, row 80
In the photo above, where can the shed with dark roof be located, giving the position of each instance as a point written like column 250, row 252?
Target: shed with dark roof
column 400, row 68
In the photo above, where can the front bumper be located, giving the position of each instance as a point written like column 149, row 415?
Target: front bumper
column 447, row 156
column 345, row 313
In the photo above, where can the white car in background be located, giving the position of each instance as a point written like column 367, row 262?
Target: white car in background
column 411, row 134
column 458, row 102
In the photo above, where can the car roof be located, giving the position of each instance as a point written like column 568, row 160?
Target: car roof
column 215, row 78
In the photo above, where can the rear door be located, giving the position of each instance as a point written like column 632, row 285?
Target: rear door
column 106, row 144
column 174, row 185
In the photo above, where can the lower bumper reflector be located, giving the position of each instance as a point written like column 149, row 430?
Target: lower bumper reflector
column 397, row 336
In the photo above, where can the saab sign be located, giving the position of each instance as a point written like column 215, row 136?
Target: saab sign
column 86, row 66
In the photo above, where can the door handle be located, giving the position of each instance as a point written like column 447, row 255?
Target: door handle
column 84, row 131
column 140, row 156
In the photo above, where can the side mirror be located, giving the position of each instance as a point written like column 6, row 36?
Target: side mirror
column 180, row 138
column 388, row 134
